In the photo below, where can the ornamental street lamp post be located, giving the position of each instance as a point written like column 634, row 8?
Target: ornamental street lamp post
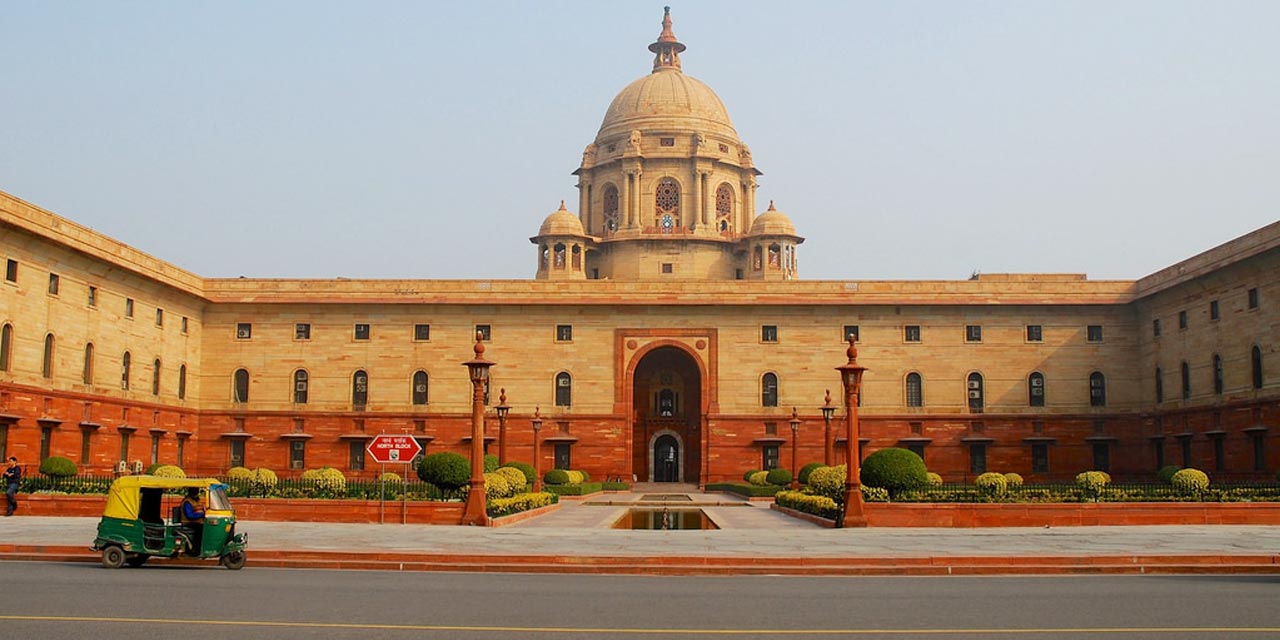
column 828, row 412
column 795, row 438
column 502, row 410
column 478, row 369
column 851, row 377
column 537, row 451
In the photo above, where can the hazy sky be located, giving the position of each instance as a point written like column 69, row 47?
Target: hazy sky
column 905, row 139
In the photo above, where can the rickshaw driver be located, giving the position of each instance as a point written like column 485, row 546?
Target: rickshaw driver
column 193, row 518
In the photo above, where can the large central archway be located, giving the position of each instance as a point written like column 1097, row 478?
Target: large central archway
column 666, row 417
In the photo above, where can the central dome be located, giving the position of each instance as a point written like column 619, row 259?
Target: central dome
column 666, row 100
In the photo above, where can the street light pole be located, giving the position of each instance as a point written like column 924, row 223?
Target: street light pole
column 828, row 412
column 851, row 377
column 478, row 370
column 502, row 410
column 795, row 438
column 537, row 450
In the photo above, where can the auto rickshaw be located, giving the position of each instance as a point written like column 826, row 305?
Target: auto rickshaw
column 133, row 527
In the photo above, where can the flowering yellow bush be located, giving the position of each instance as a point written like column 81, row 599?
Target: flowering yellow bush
column 935, row 480
column 515, row 478
column 169, row 471
column 239, row 473
column 759, row 478
column 821, row 506
column 991, row 484
column 1013, row 480
column 1092, row 482
column 326, row 482
column 522, row 502
column 496, row 486
column 263, row 482
column 576, row 477
column 827, row 481
column 1190, row 481
column 389, row 478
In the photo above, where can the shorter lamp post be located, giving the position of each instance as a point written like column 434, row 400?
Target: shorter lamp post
column 828, row 412
column 537, row 451
column 795, row 438
column 502, row 409
column 851, row 377
column 478, row 369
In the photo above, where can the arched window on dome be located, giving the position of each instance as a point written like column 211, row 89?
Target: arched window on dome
column 667, row 206
column 544, row 257
column 577, row 257
column 559, row 255
column 775, row 256
column 757, row 258
column 610, row 209
column 724, row 208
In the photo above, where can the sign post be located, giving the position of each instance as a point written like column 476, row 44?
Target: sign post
column 391, row 449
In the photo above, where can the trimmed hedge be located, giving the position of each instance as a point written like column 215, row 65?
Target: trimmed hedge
column 524, row 502
column 525, row 468
column 58, row 467
column 759, row 478
column 556, row 477
column 746, row 477
column 616, row 485
column 446, row 470
column 1165, row 474
column 748, row 490
column 894, row 469
column 820, row 506
column 808, row 469
column 580, row 489
column 1190, row 481
column 490, row 463
column 778, row 476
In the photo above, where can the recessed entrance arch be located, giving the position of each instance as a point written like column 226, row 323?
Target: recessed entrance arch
column 667, row 408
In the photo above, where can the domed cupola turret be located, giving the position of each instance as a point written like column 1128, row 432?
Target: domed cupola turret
column 562, row 246
column 772, row 243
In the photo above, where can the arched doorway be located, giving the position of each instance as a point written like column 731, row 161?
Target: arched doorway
column 667, row 416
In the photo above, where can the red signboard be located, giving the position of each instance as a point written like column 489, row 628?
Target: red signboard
column 391, row 449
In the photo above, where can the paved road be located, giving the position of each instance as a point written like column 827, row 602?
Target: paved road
column 47, row 600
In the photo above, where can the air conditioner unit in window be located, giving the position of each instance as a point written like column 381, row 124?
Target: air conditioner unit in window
column 974, row 395
column 295, row 464
column 137, row 466
column 975, row 384
column 122, row 466
column 301, row 386
column 242, row 334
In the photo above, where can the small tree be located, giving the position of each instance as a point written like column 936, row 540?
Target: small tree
column 445, row 469
column 895, row 470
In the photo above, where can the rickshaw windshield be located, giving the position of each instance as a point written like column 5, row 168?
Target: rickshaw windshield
column 218, row 498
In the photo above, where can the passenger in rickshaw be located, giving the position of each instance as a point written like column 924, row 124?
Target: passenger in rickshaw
column 193, row 519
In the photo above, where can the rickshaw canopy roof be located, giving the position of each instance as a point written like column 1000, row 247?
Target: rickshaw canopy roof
column 125, row 497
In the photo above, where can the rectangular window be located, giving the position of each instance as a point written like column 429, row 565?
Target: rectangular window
column 1184, row 445
column 85, row 439
column 483, row 331
column 851, row 330
column 183, row 325
column 128, row 307
column 93, row 296
column 4, row 441
column 362, row 332
column 1253, row 298
column 1035, row 333
column 1259, row 451
column 1157, row 448
column 1093, row 333
column 973, row 333
column 769, row 457
column 564, row 333
column 302, row 331
column 914, row 447
column 54, row 283
column 667, row 267
column 235, row 447
column 11, row 271
column 769, row 333
column 155, row 448
column 911, row 333
column 1155, row 327
column 159, row 317
column 422, row 332
column 124, row 445
column 977, row 458
column 355, row 455
column 244, row 330
column 46, row 442
column 182, row 449
column 1102, row 456
column 1182, row 319
column 1219, row 454
column 1040, row 458
column 563, row 458
column 297, row 454
column 1213, row 310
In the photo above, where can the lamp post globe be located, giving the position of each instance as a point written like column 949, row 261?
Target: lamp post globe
column 502, row 410
column 828, row 412
column 537, row 450
column 851, row 377
column 478, row 370
column 795, row 438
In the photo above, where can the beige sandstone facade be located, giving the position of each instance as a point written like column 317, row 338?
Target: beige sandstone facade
column 666, row 321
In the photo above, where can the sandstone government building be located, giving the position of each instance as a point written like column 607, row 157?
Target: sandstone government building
column 667, row 335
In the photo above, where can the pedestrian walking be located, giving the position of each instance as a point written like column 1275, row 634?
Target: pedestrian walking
column 12, row 478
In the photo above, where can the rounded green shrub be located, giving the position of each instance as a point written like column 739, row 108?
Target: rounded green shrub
column 746, row 477
column 1190, row 481
column 490, row 463
column 759, row 478
column 263, row 482
column 991, row 484
column 778, row 476
column 556, row 476
column 1013, row 480
column 58, row 467
column 445, row 469
column 239, row 473
column 525, row 468
column 168, row 471
column 894, row 469
column 808, row 469
column 828, row 481
column 586, row 477
column 151, row 469
column 1165, row 474
column 515, row 478
column 496, row 486
column 933, row 479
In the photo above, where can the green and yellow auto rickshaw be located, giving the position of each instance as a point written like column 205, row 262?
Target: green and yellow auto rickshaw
column 133, row 526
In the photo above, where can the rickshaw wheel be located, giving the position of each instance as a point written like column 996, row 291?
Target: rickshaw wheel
column 113, row 557
column 136, row 560
column 234, row 560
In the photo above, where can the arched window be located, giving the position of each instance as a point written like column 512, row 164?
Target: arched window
column 420, row 387
column 577, row 257
column 6, row 346
column 757, row 258
column 564, row 389
column 46, row 364
column 1186, row 380
column 1097, row 389
column 155, row 377
column 126, row 363
column 182, row 382
column 666, row 205
column 240, row 386
column 360, row 389
column 1159, row 385
column 975, row 393
column 1217, row 374
column 301, row 385
column 724, row 207
column 559, row 255
column 1035, row 389
column 1256, row 364
column 544, row 256
column 86, row 375
column 610, row 209
column 775, row 256
column 915, row 390
column 769, row 390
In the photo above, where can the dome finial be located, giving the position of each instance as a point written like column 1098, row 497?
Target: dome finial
column 667, row 49
column 562, row 206
column 771, row 206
